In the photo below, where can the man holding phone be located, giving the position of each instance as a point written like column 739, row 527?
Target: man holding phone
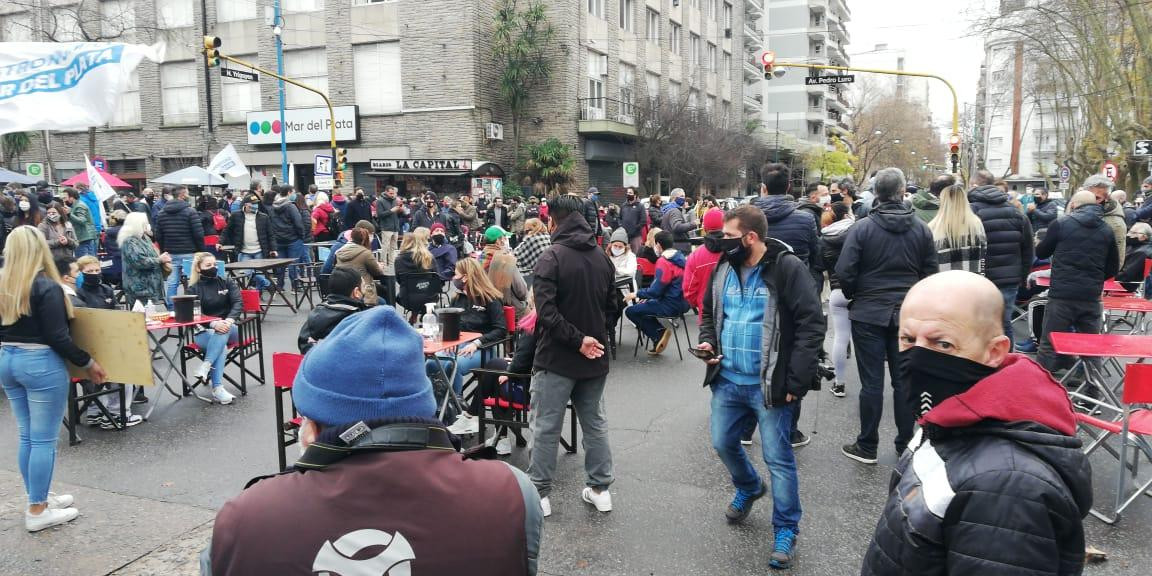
column 760, row 292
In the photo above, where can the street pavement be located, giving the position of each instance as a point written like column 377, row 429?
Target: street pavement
column 148, row 495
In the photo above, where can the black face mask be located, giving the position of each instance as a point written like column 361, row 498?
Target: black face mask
column 92, row 281
column 735, row 249
column 836, row 197
column 714, row 242
column 934, row 377
column 438, row 239
column 209, row 274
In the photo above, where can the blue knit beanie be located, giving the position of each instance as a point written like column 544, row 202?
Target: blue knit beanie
column 371, row 367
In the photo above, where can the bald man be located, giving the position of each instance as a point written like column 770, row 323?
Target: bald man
column 1084, row 254
column 994, row 482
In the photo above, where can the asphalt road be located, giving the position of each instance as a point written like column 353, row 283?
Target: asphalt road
column 148, row 495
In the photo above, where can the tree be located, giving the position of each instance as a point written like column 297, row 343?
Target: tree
column 550, row 162
column 520, row 46
column 827, row 164
column 14, row 145
column 891, row 131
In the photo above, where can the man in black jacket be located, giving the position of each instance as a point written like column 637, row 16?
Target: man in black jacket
column 249, row 232
column 1083, row 254
column 633, row 218
column 675, row 219
column 883, row 256
column 591, row 211
column 287, row 226
column 1042, row 210
column 575, row 295
column 180, row 233
column 994, row 483
column 760, row 287
column 388, row 210
column 344, row 299
column 1009, row 233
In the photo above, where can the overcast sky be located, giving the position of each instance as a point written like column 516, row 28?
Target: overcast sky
column 935, row 37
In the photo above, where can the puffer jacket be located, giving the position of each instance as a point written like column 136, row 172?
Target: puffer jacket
column 699, row 266
column 287, row 223
column 1043, row 214
column 668, row 283
column 926, row 205
column 883, row 256
column 993, row 484
column 1132, row 271
column 796, row 228
column 178, row 229
column 1010, row 248
column 1083, row 254
column 831, row 243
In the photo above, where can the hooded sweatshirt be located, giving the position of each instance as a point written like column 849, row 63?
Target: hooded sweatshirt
column 994, row 483
column 668, row 284
column 287, row 224
column 698, row 269
column 926, row 205
column 796, row 228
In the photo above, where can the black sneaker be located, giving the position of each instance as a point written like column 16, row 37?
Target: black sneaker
column 855, row 452
column 742, row 502
column 95, row 419
column 128, row 422
column 838, row 390
column 139, row 398
column 799, row 439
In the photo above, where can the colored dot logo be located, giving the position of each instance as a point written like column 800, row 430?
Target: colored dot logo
column 254, row 128
column 264, row 127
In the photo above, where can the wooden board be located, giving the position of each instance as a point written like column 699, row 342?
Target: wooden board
column 118, row 340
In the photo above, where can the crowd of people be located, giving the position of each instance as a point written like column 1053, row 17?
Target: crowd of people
column 996, row 430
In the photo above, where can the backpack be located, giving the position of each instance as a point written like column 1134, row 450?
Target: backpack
column 334, row 224
column 218, row 221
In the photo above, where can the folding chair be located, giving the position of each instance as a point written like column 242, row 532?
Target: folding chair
column 285, row 365
column 673, row 323
column 417, row 290
column 249, row 344
column 78, row 404
column 515, row 402
column 1133, row 430
column 307, row 280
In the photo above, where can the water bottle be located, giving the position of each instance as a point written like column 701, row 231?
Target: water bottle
column 429, row 324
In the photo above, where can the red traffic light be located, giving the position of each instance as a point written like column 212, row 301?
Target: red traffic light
column 768, row 58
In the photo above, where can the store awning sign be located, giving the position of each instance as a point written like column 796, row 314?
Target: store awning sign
column 422, row 165
column 304, row 125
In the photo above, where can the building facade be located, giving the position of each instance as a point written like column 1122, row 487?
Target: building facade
column 414, row 81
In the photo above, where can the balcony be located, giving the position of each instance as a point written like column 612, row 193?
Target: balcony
column 753, row 69
column 836, row 103
column 753, row 38
column 753, row 7
column 815, row 114
column 835, row 127
column 753, row 103
column 837, row 27
column 606, row 116
column 818, row 5
column 817, row 30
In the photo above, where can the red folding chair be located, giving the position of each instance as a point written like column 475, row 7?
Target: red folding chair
column 249, row 344
column 284, row 368
column 508, row 412
column 510, row 323
column 1133, row 430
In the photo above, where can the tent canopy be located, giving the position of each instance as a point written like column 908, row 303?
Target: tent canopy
column 192, row 176
column 82, row 178
column 7, row 176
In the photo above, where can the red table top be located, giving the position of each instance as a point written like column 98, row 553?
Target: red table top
column 1102, row 345
column 1122, row 304
column 172, row 323
column 431, row 348
column 1109, row 285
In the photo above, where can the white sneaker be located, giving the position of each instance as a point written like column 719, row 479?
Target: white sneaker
column 222, row 396
column 601, row 500
column 59, row 501
column 503, row 447
column 48, row 518
column 464, row 425
column 202, row 372
column 546, row 506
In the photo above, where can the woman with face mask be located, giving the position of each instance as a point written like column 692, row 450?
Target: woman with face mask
column 621, row 254
column 220, row 297
column 58, row 231
column 28, row 211
column 142, row 267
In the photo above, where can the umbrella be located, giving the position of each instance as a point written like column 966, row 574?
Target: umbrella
column 192, row 176
column 7, row 176
column 82, row 178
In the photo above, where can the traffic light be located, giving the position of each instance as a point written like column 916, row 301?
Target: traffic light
column 211, row 54
column 769, row 61
column 341, row 159
column 954, row 151
column 338, row 178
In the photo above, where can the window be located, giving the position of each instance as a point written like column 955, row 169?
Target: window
column 118, row 20
column 712, row 64
column 173, row 13
column 310, row 67
column 674, row 92
column 996, row 142
column 627, row 88
column 674, row 38
column 128, row 108
column 694, row 47
column 725, row 113
column 710, row 105
column 653, row 29
column 726, row 63
column 597, row 70
column 303, row 5
column 712, row 4
column 376, row 72
column 653, row 83
column 693, row 99
column 596, row 8
column 16, row 28
column 239, row 97
column 627, row 12
column 995, row 163
column 233, row 11
column 65, row 25
column 179, row 96
column 727, row 21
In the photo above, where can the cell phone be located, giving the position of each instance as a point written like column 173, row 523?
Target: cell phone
column 702, row 354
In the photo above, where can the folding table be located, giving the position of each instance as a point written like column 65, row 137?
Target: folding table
column 1139, row 306
column 432, row 349
column 267, row 267
column 316, row 246
column 1109, row 347
column 1110, row 285
column 161, row 332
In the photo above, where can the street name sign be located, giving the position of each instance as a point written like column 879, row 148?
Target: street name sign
column 239, row 74
column 836, row 79
column 1142, row 148
column 325, row 182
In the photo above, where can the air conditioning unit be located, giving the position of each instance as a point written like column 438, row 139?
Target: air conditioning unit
column 494, row 131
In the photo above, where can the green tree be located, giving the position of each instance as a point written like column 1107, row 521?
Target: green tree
column 15, row 144
column 520, row 46
column 550, row 162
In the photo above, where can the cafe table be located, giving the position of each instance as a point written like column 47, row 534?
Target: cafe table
column 1109, row 348
column 165, row 363
column 271, row 268
column 433, row 350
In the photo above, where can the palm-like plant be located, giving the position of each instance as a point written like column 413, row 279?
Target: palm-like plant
column 550, row 162
column 519, row 47
column 15, row 144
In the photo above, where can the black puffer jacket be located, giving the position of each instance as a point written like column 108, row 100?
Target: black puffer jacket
column 324, row 318
column 831, row 243
column 796, row 228
column 1043, row 214
column 1083, row 253
column 1009, row 236
column 287, row 223
column 883, row 256
column 178, row 229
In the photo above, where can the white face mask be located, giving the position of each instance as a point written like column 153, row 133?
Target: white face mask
column 617, row 252
column 825, row 200
column 25, row 205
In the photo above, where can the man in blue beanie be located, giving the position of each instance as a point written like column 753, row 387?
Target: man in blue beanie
column 379, row 488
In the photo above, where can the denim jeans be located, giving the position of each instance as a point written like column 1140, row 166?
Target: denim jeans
column 1009, row 295
column 85, row 248
column 465, row 365
column 644, row 314
column 550, row 395
column 295, row 250
column 36, row 383
column 173, row 281
column 733, row 407
column 215, row 347
column 259, row 282
column 874, row 344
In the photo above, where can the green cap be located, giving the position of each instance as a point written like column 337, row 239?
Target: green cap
column 494, row 233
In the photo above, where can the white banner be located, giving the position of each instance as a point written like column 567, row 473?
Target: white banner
column 99, row 186
column 65, row 85
column 227, row 161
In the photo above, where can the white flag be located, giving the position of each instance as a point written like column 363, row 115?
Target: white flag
column 227, row 161
column 99, row 186
column 65, row 85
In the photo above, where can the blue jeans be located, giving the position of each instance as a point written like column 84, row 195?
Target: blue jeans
column 466, row 364
column 85, row 248
column 1009, row 305
column 259, row 282
column 215, row 347
column 873, row 345
column 36, row 382
column 644, row 314
column 295, row 250
column 173, row 281
column 733, row 407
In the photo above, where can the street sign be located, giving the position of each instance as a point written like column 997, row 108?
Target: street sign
column 1109, row 170
column 239, row 74
column 1065, row 173
column 833, row 79
column 631, row 174
column 100, row 163
column 1142, row 148
column 323, row 165
column 325, row 182
column 1064, row 186
column 34, row 169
